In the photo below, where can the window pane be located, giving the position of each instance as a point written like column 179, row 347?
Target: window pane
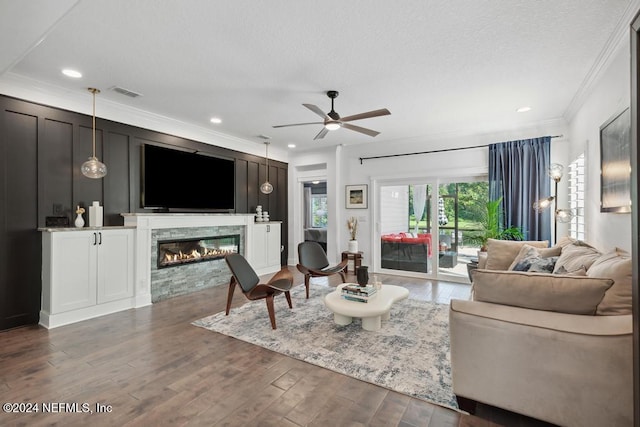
column 319, row 211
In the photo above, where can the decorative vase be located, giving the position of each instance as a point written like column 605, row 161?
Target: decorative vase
column 95, row 215
column 353, row 246
column 362, row 275
column 79, row 222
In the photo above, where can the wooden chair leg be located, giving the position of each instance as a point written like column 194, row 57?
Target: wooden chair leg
column 272, row 313
column 232, row 287
column 288, row 296
column 306, row 283
column 344, row 278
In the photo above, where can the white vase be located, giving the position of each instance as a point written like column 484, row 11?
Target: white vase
column 95, row 215
column 79, row 222
column 353, row 246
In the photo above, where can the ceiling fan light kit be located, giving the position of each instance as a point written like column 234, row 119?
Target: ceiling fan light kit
column 333, row 121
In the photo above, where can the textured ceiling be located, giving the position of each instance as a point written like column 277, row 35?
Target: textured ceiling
column 438, row 66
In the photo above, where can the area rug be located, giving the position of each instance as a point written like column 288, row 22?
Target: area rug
column 409, row 354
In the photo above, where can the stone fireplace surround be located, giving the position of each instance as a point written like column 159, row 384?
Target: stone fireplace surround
column 153, row 284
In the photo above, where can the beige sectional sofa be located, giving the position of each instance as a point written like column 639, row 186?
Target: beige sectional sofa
column 547, row 333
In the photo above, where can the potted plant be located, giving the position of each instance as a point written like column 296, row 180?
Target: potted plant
column 492, row 228
column 352, row 226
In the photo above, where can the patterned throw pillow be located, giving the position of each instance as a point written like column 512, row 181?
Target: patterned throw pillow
column 531, row 259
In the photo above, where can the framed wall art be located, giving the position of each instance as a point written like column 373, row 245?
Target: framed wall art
column 615, row 163
column 356, row 196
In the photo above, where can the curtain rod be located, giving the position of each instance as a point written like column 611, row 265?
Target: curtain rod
column 433, row 151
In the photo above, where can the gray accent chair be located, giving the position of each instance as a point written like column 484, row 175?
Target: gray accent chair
column 245, row 276
column 313, row 262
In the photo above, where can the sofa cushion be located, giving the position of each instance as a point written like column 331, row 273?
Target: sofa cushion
column 615, row 265
column 535, row 259
column 501, row 253
column 575, row 256
column 550, row 292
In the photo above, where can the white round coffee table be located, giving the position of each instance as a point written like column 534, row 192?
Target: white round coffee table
column 371, row 313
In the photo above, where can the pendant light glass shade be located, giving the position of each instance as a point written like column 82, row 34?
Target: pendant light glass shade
column 94, row 168
column 266, row 187
column 564, row 215
column 542, row 204
column 555, row 171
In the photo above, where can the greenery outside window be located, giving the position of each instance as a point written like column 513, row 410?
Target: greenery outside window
column 319, row 211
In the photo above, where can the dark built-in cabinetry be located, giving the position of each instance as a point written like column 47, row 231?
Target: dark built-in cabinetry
column 41, row 150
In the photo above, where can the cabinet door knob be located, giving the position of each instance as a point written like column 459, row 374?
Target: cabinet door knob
column 95, row 239
column 100, row 233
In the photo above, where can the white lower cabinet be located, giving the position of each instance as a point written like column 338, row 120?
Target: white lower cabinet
column 85, row 274
column 265, row 248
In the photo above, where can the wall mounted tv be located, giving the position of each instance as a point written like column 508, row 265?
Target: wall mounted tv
column 186, row 181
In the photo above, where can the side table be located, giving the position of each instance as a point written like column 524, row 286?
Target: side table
column 355, row 256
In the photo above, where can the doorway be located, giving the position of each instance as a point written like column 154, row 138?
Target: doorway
column 315, row 211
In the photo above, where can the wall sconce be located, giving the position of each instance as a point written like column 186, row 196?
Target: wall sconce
column 560, row 215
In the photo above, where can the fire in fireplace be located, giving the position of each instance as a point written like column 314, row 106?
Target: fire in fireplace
column 172, row 253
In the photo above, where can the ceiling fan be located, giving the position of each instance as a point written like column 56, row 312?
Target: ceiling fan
column 333, row 121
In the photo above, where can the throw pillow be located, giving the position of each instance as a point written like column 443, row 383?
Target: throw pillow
column 615, row 265
column 579, row 272
column 501, row 253
column 564, row 294
column 576, row 256
column 564, row 241
column 531, row 258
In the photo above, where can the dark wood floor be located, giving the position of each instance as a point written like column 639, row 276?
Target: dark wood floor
column 153, row 368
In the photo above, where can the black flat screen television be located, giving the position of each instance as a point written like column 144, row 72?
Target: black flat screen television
column 185, row 181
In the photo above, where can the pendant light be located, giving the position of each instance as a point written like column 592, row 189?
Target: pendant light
column 266, row 187
column 94, row 168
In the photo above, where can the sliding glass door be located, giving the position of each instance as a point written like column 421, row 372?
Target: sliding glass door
column 406, row 230
column 431, row 229
column 461, row 212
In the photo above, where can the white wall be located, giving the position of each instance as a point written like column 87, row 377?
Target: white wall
column 610, row 95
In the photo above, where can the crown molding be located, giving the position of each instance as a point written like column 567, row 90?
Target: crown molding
column 17, row 86
column 617, row 40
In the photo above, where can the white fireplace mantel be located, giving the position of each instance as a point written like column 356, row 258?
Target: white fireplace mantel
column 145, row 223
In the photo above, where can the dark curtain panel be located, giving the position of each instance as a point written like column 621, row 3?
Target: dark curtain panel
column 518, row 174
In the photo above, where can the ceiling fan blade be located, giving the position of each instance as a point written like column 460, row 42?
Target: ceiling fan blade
column 321, row 134
column 360, row 129
column 367, row 115
column 317, row 110
column 298, row 124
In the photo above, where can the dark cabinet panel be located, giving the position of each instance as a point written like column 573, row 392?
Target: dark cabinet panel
column 86, row 190
column 55, row 148
column 116, row 184
column 253, row 187
column 20, row 249
column 241, row 185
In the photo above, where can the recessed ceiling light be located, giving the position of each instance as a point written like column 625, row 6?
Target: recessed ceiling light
column 216, row 120
column 523, row 109
column 291, row 145
column 72, row 73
